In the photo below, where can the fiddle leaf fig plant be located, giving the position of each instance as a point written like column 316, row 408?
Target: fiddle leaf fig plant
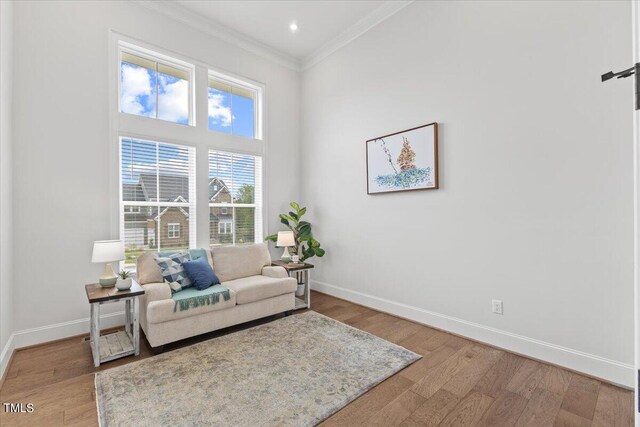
column 306, row 245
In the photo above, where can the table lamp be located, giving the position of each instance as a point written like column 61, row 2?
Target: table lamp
column 108, row 251
column 285, row 238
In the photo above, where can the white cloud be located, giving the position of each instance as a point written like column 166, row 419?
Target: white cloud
column 173, row 102
column 135, row 83
column 217, row 111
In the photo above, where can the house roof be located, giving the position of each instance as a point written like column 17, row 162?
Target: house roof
column 171, row 187
column 216, row 185
column 133, row 193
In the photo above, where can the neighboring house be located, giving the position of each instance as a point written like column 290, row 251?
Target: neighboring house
column 145, row 227
column 220, row 218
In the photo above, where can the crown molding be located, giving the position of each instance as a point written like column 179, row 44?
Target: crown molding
column 236, row 38
column 383, row 12
column 219, row 31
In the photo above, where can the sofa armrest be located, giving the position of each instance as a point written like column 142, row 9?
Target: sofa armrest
column 157, row 291
column 276, row 272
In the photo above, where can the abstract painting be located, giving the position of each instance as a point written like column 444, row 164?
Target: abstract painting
column 403, row 161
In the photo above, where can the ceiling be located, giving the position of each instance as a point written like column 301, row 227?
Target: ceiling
column 267, row 22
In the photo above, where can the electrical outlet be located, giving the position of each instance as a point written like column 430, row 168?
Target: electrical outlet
column 496, row 306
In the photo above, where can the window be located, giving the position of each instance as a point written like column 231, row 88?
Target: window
column 158, row 197
column 224, row 227
column 173, row 230
column 152, row 85
column 235, row 209
column 233, row 107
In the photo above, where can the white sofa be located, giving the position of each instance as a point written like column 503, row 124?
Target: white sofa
column 257, row 290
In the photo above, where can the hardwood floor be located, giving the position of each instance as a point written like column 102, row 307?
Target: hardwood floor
column 458, row 382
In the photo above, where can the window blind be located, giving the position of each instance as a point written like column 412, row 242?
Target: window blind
column 235, row 198
column 158, row 203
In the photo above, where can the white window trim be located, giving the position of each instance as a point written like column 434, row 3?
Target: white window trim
column 225, row 223
column 197, row 136
column 175, row 226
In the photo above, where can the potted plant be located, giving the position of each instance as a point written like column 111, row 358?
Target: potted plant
column 306, row 246
column 124, row 281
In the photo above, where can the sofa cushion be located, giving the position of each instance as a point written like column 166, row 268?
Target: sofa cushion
column 201, row 274
column 234, row 262
column 173, row 271
column 256, row 288
column 162, row 311
column 147, row 269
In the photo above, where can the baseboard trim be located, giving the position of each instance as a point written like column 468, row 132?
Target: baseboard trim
column 613, row 371
column 5, row 358
column 47, row 333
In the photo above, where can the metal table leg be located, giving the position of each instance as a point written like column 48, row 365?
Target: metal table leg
column 307, row 285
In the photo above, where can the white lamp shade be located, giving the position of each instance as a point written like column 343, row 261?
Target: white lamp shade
column 285, row 238
column 108, row 251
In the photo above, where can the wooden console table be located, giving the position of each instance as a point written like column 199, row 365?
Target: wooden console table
column 118, row 344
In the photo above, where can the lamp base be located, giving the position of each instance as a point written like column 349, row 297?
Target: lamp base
column 108, row 278
column 286, row 256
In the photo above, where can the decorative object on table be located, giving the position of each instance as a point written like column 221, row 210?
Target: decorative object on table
column 295, row 259
column 226, row 379
column 300, row 272
column 124, row 281
column 200, row 272
column 403, row 161
column 285, row 239
column 121, row 343
column 108, row 251
column 305, row 245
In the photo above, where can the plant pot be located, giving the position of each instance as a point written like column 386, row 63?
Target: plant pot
column 123, row 284
column 300, row 290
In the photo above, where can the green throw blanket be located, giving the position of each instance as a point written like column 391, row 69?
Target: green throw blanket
column 191, row 297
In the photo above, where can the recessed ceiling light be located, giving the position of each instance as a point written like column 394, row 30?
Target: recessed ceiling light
column 293, row 27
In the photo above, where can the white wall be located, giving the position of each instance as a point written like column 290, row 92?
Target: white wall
column 62, row 145
column 535, row 206
column 6, row 205
column 636, row 58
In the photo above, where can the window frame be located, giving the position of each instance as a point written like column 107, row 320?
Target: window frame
column 225, row 223
column 161, row 206
column 198, row 136
column 244, row 85
column 258, row 201
column 160, row 58
column 176, row 226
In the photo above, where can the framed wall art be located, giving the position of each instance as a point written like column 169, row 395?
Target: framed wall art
column 403, row 161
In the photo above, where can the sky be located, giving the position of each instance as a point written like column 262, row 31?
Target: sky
column 228, row 113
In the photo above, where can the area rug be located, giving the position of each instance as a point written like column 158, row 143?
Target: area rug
column 295, row 371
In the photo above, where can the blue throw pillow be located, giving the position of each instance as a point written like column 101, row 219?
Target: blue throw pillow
column 201, row 274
